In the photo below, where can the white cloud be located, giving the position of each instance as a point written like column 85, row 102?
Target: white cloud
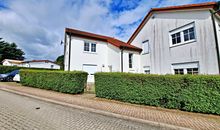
column 37, row 26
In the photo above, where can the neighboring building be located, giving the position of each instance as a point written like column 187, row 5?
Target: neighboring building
column 31, row 64
column 179, row 40
column 174, row 40
column 96, row 53
column 10, row 62
column 46, row 64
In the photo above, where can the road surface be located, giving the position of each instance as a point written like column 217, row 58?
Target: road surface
column 24, row 113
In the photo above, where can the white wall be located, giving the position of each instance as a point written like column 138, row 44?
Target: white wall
column 162, row 56
column 136, row 62
column 79, row 57
column 7, row 63
column 46, row 65
column 114, row 58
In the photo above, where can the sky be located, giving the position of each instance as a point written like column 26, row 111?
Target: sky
column 37, row 26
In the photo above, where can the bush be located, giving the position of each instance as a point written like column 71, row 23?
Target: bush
column 7, row 69
column 198, row 93
column 61, row 81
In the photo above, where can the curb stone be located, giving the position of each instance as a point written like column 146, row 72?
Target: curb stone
column 101, row 112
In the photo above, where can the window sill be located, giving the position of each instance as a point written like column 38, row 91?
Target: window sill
column 88, row 52
column 184, row 43
column 145, row 53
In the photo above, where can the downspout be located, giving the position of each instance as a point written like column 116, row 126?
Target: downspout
column 69, row 52
column 216, row 39
column 122, row 59
column 64, row 63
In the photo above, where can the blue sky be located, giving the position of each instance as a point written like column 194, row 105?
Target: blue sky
column 37, row 26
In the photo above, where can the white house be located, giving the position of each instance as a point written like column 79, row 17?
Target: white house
column 10, row 62
column 180, row 40
column 46, row 64
column 96, row 53
column 171, row 40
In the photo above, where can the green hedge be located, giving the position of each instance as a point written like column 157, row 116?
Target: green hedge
column 198, row 93
column 67, row 82
column 7, row 69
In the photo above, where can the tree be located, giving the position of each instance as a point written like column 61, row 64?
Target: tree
column 60, row 61
column 10, row 51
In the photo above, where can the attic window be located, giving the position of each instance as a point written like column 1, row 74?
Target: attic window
column 89, row 47
column 86, row 46
column 182, row 35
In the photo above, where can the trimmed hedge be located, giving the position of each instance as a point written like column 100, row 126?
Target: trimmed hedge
column 7, row 69
column 67, row 82
column 194, row 93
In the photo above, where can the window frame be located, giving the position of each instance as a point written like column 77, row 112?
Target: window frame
column 143, row 47
column 90, row 47
column 93, row 48
column 130, row 60
column 181, row 31
column 86, row 47
column 185, row 67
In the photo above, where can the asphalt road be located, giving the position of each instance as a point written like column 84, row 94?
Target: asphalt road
column 24, row 113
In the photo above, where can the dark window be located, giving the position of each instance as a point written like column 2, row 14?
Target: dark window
column 193, row 71
column 178, row 71
column 189, row 34
column 86, row 46
column 147, row 71
column 130, row 56
column 176, row 38
column 93, row 47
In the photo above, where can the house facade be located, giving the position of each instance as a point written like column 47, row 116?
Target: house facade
column 180, row 40
column 96, row 53
column 46, row 64
column 171, row 40
column 10, row 62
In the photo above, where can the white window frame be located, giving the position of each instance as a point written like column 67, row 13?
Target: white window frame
column 132, row 60
column 181, row 29
column 146, row 69
column 145, row 47
column 185, row 66
column 90, row 47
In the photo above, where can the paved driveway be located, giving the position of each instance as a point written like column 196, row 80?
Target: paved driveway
column 23, row 113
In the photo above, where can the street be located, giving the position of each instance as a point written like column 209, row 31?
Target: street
column 24, row 113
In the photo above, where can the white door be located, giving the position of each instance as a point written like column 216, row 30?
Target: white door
column 91, row 70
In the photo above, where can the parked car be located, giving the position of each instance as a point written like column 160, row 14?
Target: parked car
column 8, row 76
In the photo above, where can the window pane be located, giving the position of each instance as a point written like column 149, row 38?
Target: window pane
column 174, row 41
column 192, row 36
column 145, row 47
column 178, row 39
column 93, row 47
column 147, row 71
column 130, row 60
column 178, row 71
column 86, row 46
column 189, row 34
column 193, row 71
column 189, row 71
column 191, row 30
column 186, row 37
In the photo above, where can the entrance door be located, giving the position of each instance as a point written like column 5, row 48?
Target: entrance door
column 91, row 70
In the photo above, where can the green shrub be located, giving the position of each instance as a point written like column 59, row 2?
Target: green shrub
column 7, row 69
column 67, row 82
column 198, row 93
